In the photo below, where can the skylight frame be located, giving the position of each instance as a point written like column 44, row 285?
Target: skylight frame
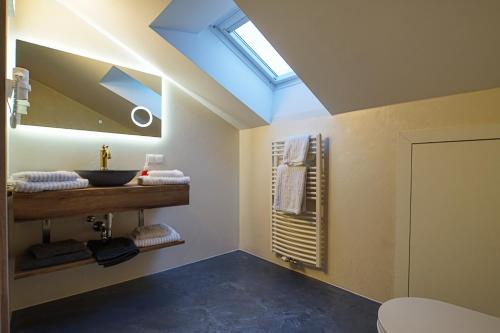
column 227, row 28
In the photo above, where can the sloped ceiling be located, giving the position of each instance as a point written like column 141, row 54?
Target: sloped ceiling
column 128, row 20
column 193, row 15
column 126, row 23
column 357, row 54
column 188, row 25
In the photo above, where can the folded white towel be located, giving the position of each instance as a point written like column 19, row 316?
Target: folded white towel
column 23, row 186
column 156, row 241
column 296, row 148
column 148, row 180
column 172, row 236
column 290, row 188
column 45, row 176
column 151, row 231
column 165, row 173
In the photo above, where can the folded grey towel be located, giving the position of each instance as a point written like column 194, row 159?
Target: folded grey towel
column 45, row 176
column 32, row 263
column 149, row 180
column 165, row 173
column 22, row 186
column 43, row 251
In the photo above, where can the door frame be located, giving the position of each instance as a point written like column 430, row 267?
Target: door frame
column 4, row 256
column 406, row 142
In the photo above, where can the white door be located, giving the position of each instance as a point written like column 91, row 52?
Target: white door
column 455, row 223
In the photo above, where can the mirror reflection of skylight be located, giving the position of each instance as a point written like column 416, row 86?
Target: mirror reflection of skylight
column 262, row 48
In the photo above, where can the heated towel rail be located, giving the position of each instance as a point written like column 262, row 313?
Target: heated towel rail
column 300, row 238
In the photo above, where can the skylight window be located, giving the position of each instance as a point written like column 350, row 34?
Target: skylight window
column 255, row 49
column 259, row 44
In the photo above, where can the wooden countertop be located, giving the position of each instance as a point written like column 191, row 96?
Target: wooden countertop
column 96, row 200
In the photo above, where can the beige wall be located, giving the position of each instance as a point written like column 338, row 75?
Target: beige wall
column 194, row 140
column 362, row 184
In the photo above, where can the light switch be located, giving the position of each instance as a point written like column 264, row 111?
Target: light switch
column 154, row 158
column 159, row 159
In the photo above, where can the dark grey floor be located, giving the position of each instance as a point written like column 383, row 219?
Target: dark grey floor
column 236, row 292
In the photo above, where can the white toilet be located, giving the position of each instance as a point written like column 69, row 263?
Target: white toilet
column 421, row 315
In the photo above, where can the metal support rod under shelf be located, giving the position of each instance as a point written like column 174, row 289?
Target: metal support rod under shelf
column 108, row 224
column 46, row 224
column 141, row 217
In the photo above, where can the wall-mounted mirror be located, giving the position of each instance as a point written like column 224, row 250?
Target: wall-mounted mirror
column 75, row 92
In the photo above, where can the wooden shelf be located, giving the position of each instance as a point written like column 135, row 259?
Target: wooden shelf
column 96, row 200
column 92, row 200
column 19, row 274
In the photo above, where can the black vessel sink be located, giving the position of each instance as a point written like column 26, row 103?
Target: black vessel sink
column 107, row 177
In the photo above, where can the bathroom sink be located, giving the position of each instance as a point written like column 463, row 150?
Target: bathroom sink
column 107, row 177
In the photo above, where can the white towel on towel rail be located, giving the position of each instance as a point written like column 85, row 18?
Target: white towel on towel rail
column 165, row 173
column 295, row 151
column 45, row 176
column 290, row 188
column 22, row 186
column 148, row 180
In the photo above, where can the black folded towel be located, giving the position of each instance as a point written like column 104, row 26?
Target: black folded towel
column 118, row 260
column 113, row 251
column 30, row 262
column 43, row 251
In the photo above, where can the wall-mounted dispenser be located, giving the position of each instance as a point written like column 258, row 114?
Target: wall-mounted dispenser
column 19, row 88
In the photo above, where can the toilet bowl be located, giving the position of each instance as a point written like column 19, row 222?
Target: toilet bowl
column 421, row 315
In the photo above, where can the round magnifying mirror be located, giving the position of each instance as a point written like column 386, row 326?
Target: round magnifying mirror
column 141, row 116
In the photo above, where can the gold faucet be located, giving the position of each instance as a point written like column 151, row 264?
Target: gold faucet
column 105, row 155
